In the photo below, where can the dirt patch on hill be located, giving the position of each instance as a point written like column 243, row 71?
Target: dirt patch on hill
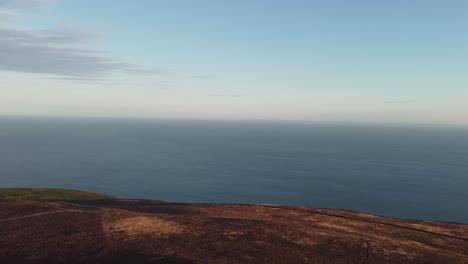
column 143, row 225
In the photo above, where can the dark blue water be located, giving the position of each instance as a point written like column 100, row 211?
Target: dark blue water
column 408, row 172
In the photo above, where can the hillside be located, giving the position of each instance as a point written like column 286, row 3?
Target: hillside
column 61, row 226
column 42, row 194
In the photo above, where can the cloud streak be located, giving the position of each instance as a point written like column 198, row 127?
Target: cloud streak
column 401, row 102
column 24, row 3
column 226, row 95
column 104, row 81
column 58, row 51
column 4, row 15
column 198, row 77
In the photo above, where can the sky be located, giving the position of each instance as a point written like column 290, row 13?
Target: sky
column 329, row 60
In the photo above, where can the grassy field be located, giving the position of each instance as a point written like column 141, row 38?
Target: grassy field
column 37, row 194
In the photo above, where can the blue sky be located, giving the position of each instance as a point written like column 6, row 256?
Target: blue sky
column 376, row 61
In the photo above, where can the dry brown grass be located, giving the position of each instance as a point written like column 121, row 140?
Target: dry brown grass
column 140, row 225
column 145, row 231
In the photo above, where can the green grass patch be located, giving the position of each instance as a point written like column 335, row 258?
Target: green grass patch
column 38, row 194
column 277, row 216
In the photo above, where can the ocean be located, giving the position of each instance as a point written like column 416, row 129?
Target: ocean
column 405, row 171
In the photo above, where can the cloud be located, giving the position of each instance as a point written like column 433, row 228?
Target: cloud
column 79, row 79
column 136, row 70
column 25, row 3
column 198, row 77
column 401, row 102
column 4, row 15
column 58, row 51
column 104, row 81
column 227, row 95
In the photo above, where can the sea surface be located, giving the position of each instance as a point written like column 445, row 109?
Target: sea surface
column 415, row 172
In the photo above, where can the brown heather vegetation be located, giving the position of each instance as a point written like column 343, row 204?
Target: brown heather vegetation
column 142, row 231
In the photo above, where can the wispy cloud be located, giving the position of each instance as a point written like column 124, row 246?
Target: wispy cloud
column 79, row 79
column 107, row 81
column 227, row 95
column 4, row 15
column 400, row 102
column 58, row 51
column 25, row 3
column 198, row 77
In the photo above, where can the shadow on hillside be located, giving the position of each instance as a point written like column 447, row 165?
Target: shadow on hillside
column 124, row 257
column 144, row 206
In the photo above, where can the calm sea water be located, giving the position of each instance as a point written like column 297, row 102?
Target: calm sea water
column 408, row 172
